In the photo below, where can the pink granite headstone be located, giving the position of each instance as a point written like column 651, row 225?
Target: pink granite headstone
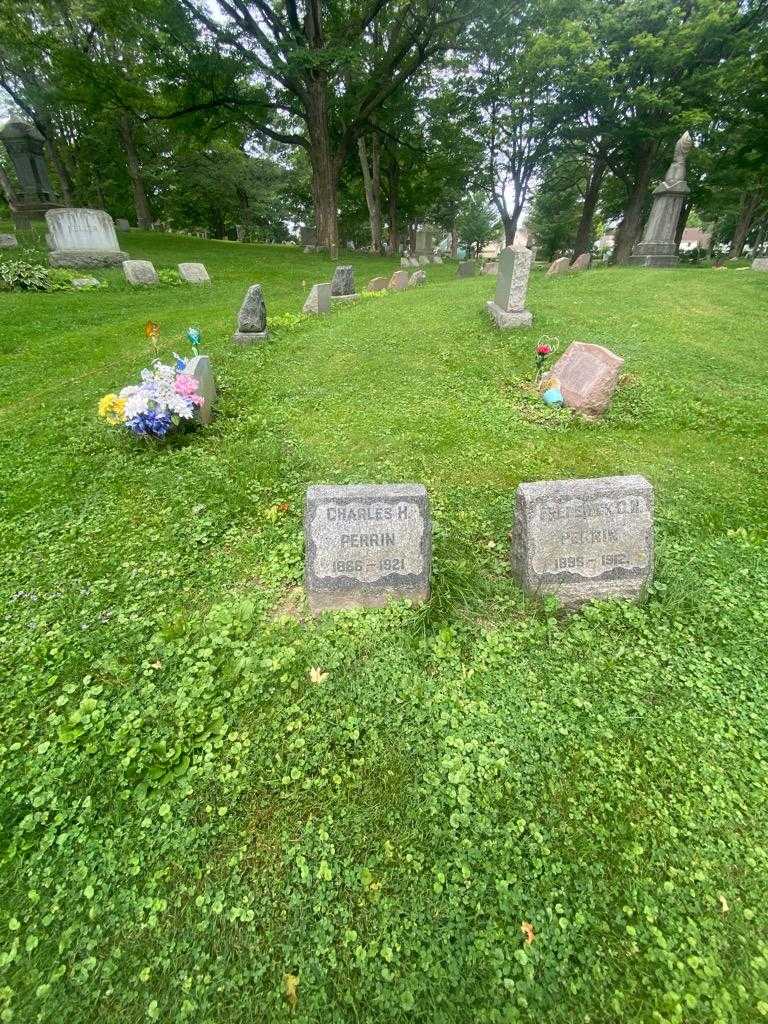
column 587, row 376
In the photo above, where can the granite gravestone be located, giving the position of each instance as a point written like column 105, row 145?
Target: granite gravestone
column 587, row 376
column 760, row 263
column 26, row 148
column 139, row 272
column 579, row 540
column 194, row 273
column 343, row 284
column 437, row 259
column 467, row 269
column 399, row 281
column 366, row 545
column 377, row 284
column 122, row 224
column 560, row 266
column 507, row 308
column 417, row 279
column 319, row 299
column 582, row 262
column 78, row 237
column 200, row 368
column 8, row 241
column 252, row 318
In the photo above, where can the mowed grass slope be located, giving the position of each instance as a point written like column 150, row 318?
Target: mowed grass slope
column 198, row 826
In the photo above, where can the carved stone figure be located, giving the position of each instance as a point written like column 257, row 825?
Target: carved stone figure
column 658, row 247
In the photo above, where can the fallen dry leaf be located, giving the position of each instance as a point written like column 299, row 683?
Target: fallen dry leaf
column 317, row 675
column 291, row 982
column 723, row 904
column 283, row 506
column 527, row 929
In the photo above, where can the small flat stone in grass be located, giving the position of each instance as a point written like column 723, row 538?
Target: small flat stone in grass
column 252, row 318
column 366, row 545
column 580, row 540
column 194, row 273
column 399, row 280
column 85, row 282
column 319, row 299
column 139, row 272
column 8, row 241
column 377, row 284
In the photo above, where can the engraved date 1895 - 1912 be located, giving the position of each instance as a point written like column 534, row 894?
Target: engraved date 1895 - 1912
column 579, row 562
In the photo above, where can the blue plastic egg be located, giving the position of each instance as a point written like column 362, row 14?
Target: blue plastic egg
column 552, row 396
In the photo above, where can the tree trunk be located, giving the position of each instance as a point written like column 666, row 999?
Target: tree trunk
column 324, row 169
column 584, row 230
column 143, row 211
column 454, row 239
column 393, row 177
column 372, row 185
column 632, row 221
column 749, row 204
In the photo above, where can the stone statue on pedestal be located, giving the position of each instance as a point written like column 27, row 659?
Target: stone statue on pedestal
column 658, row 247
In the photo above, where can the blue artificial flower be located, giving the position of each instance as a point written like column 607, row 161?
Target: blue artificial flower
column 181, row 362
column 193, row 333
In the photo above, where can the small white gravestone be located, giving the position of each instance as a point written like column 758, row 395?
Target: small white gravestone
column 79, row 237
column 140, row 272
column 194, row 273
column 366, row 545
column 200, row 368
column 319, row 299
column 507, row 308
column 760, row 263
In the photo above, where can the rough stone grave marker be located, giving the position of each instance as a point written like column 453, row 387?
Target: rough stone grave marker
column 584, row 539
column 437, row 259
column 417, row 279
column 760, row 263
column 582, row 262
column 399, row 280
column 377, row 284
column 252, row 318
column 587, row 376
column 78, row 237
column 194, row 273
column 467, row 269
column 200, row 368
column 366, row 545
column 508, row 306
column 138, row 272
column 319, row 299
column 8, row 241
column 560, row 266
column 343, row 284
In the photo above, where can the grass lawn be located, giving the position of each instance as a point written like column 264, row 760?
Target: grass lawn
column 195, row 828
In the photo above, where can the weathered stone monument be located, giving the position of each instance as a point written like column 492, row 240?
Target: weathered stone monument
column 194, row 273
column 759, row 263
column 587, row 376
column 366, row 545
column 80, row 237
column 121, row 224
column 466, row 269
column 377, row 284
column 508, row 306
column 424, row 242
column 559, row 266
column 319, row 299
column 252, row 318
column 399, row 281
column 580, row 540
column 582, row 262
column 343, row 284
column 658, row 247
column 200, row 368
column 140, row 272
column 417, row 279
column 26, row 149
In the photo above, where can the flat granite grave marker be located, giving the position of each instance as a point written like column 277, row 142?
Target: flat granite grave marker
column 194, row 273
column 252, row 318
column 77, row 237
column 319, row 299
column 467, row 269
column 507, row 308
column 587, row 376
column 561, row 266
column 399, row 280
column 366, row 545
column 580, row 540
column 138, row 272
column 343, row 284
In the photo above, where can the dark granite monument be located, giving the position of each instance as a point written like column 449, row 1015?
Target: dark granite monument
column 26, row 148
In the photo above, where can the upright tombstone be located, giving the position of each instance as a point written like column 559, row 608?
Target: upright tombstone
column 343, row 284
column 490, row 267
column 240, row 232
column 80, row 237
column 659, row 246
column 399, row 281
column 366, row 545
column 466, row 269
column 437, row 259
column 559, row 266
column 582, row 261
column 580, row 540
column 194, row 273
column 377, row 284
column 760, row 263
column 140, row 272
column 417, row 279
column 121, row 224
column 508, row 306
column 587, row 376
column 252, row 318
column 26, row 149
column 425, row 242
column 200, row 368
column 319, row 299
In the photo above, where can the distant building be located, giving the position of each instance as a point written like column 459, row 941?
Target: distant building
column 695, row 238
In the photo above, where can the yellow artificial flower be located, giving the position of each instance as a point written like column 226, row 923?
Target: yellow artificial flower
column 112, row 409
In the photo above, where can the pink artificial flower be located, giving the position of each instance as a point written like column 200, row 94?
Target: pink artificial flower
column 186, row 386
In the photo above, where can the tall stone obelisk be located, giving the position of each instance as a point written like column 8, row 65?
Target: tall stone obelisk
column 658, row 247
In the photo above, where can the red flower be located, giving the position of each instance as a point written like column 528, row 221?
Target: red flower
column 543, row 350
